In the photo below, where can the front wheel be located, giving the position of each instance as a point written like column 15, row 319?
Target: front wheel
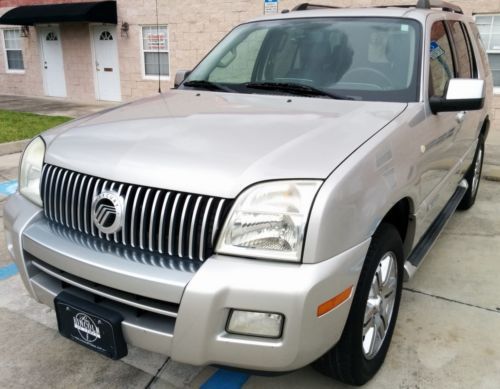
column 473, row 177
column 367, row 334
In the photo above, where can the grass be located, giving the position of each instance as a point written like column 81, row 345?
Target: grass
column 22, row 125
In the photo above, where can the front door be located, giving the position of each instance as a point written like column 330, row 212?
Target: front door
column 438, row 137
column 54, row 81
column 107, row 73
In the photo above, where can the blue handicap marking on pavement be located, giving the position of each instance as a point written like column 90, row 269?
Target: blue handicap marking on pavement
column 226, row 379
column 8, row 271
column 8, row 187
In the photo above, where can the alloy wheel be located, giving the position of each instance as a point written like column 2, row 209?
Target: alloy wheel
column 380, row 305
column 477, row 170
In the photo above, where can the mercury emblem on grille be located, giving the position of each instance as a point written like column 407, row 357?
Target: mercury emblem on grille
column 107, row 212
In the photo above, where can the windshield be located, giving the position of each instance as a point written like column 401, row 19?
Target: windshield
column 362, row 58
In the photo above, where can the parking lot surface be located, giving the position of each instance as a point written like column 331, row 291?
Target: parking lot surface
column 447, row 335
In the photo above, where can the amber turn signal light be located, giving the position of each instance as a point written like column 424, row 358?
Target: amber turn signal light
column 334, row 302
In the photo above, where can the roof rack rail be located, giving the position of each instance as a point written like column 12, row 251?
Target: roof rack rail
column 444, row 5
column 421, row 4
column 306, row 6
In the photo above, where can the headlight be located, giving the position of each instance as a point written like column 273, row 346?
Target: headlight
column 268, row 221
column 30, row 172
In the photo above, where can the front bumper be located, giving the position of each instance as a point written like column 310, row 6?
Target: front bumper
column 176, row 308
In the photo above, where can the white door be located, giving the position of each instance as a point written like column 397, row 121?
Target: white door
column 107, row 73
column 54, row 81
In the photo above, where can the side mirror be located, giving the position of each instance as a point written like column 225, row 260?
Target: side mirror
column 461, row 94
column 180, row 76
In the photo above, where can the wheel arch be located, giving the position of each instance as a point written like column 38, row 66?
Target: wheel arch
column 401, row 217
column 485, row 128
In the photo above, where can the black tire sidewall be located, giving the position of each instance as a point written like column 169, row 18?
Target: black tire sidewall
column 386, row 239
column 470, row 197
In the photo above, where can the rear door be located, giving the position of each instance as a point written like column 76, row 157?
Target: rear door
column 466, row 68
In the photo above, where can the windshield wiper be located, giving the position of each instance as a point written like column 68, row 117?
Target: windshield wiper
column 298, row 89
column 204, row 84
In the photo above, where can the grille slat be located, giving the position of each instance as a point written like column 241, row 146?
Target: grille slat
column 103, row 188
column 73, row 201
column 153, row 221
column 79, row 208
column 69, row 192
column 201, row 254
column 54, row 197
column 62, row 201
column 49, row 173
column 96, row 191
column 192, row 229
column 86, row 209
column 171, row 230
column 143, row 219
column 116, row 234
column 182, row 225
column 163, row 223
column 178, row 224
column 217, row 219
column 125, row 227
column 132, row 222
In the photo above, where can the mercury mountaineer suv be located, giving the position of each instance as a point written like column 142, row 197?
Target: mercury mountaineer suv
column 264, row 214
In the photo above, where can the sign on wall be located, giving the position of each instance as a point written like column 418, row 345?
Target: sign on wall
column 270, row 7
column 155, row 41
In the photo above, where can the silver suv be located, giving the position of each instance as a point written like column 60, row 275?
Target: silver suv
column 265, row 213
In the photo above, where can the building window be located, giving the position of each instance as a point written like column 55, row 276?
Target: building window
column 106, row 36
column 489, row 28
column 13, row 50
column 155, row 51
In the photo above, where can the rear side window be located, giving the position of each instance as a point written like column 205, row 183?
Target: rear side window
column 472, row 52
column 462, row 55
column 441, row 60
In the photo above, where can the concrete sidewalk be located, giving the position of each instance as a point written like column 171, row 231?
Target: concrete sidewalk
column 50, row 106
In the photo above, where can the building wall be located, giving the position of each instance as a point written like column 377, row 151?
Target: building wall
column 194, row 26
column 28, row 83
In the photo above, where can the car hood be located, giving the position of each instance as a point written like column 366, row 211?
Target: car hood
column 217, row 143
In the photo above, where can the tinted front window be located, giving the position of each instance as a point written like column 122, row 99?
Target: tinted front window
column 441, row 61
column 364, row 58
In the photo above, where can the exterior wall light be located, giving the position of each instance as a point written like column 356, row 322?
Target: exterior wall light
column 124, row 29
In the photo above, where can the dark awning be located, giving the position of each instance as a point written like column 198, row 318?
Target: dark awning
column 28, row 15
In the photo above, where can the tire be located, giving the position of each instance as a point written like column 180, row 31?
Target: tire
column 473, row 177
column 350, row 360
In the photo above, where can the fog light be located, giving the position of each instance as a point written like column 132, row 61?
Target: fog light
column 263, row 324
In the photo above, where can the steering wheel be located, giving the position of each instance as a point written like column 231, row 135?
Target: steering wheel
column 378, row 73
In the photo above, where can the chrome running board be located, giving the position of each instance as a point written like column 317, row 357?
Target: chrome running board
column 425, row 244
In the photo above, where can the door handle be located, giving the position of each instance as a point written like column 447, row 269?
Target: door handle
column 460, row 116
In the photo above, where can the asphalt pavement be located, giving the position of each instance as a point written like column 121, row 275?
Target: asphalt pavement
column 447, row 335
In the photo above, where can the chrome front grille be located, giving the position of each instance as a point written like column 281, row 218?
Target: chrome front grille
column 171, row 223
